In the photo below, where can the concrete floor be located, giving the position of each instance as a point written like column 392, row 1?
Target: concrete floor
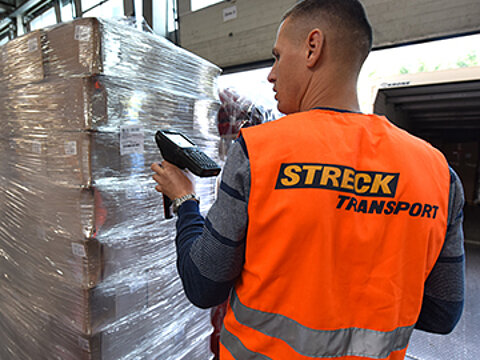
column 464, row 342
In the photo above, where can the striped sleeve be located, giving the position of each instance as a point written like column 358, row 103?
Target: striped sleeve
column 211, row 251
column 444, row 292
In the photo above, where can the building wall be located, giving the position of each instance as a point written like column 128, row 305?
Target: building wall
column 249, row 37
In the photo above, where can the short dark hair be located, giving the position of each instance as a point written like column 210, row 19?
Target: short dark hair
column 346, row 16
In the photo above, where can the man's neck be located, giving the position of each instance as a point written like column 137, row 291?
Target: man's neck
column 337, row 92
column 345, row 102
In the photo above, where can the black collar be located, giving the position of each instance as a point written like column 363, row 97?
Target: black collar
column 336, row 110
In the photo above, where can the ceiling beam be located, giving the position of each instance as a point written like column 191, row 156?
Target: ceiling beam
column 444, row 118
column 7, row 6
column 24, row 7
column 435, row 89
column 435, row 97
column 473, row 103
column 449, row 127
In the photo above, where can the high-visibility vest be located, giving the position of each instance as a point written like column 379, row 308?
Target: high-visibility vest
column 347, row 215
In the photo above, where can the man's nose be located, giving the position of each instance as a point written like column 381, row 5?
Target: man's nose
column 271, row 76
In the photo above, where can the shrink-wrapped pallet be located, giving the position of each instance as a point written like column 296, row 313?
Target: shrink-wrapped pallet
column 87, row 260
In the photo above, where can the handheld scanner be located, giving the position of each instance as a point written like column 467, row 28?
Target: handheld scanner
column 179, row 150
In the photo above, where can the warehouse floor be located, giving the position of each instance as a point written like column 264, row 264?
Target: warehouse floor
column 464, row 342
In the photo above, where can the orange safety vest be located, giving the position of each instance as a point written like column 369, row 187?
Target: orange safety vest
column 347, row 216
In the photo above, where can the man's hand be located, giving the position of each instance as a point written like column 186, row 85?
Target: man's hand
column 171, row 181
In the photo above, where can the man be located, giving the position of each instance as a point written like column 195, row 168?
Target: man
column 328, row 222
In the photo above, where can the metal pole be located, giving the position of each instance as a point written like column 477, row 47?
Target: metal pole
column 20, row 28
column 58, row 14
column 177, row 22
column 148, row 12
column 128, row 7
column 78, row 8
column 26, row 23
column 12, row 30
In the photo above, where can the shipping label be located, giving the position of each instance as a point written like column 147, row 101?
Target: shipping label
column 83, row 32
column 131, row 139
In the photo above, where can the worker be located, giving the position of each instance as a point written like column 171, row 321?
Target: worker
column 334, row 233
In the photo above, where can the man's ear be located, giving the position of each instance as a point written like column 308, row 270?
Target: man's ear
column 315, row 41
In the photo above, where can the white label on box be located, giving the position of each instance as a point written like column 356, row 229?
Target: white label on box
column 70, row 147
column 79, row 250
column 37, row 147
column 83, row 32
column 131, row 139
column 230, row 13
column 32, row 45
column 84, row 344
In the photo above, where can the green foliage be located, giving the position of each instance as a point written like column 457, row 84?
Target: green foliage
column 469, row 60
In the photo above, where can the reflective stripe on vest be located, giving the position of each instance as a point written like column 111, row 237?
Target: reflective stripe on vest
column 304, row 340
column 237, row 349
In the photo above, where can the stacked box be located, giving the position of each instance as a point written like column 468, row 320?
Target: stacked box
column 86, row 257
column 464, row 159
column 21, row 60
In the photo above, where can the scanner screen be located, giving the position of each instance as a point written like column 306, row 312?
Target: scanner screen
column 180, row 140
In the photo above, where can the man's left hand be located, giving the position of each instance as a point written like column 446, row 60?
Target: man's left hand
column 172, row 181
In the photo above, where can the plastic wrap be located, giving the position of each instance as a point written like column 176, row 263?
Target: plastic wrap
column 238, row 111
column 87, row 261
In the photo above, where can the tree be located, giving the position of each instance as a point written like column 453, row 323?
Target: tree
column 471, row 59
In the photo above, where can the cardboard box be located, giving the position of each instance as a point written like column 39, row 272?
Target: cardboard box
column 3, row 70
column 4, row 160
column 58, row 105
column 144, row 336
column 90, row 310
column 22, row 60
column 86, row 47
column 74, row 48
column 464, row 159
column 69, row 159
column 100, row 104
